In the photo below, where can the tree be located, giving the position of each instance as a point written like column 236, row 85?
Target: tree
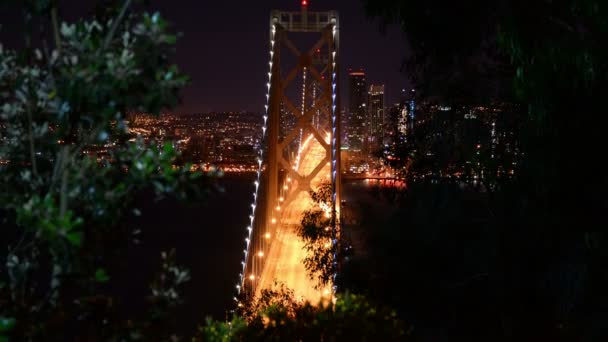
column 69, row 171
column 555, row 68
column 546, row 56
column 277, row 296
column 350, row 318
column 316, row 231
column 453, row 51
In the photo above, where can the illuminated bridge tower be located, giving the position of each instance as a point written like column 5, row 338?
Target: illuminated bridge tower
column 324, row 24
column 314, row 101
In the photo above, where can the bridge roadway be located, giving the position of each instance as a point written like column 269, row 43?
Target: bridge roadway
column 285, row 264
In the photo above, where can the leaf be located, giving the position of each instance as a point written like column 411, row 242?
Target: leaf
column 75, row 238
column 170, row 39
column 7, row 324
column 101, row 276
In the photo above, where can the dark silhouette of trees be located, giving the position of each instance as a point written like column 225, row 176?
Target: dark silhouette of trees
column 545, row 233
column 350, row 318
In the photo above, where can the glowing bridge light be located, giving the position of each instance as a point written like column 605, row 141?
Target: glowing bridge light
column 260, row 254
column 252, row 277
column 274, row 220
column 267, row 236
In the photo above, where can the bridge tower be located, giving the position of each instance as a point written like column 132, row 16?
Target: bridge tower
column 314, row 110
column 323, row 69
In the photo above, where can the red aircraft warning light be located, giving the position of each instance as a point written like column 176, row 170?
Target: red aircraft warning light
column 304, row 2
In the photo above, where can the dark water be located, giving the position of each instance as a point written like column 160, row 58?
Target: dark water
column 208, row 238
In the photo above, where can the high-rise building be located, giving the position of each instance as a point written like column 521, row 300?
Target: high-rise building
column 402, row 119
column 412, row 111
column 357, row 113
column 405, row 112
column 375, row 117
column 395, row 119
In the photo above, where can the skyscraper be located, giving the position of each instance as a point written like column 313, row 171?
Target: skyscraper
column 375, row 118
column 411, row 111
column 357, row 113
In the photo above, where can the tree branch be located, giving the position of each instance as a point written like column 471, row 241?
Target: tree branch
column 31, row 140
column 55, row 22
column 63, row 192
column 115, row 24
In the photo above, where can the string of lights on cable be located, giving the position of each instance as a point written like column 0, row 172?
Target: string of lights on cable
column 334, row 151
column 260, row 158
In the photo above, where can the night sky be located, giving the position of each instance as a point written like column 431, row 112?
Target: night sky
column 224, row 47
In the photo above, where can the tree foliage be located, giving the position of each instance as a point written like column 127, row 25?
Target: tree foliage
column 316, row 231
column 549, row 230
column 554, row 66
column 69, row 171
column 277, row 296
column 453, row 53
column 350, row 318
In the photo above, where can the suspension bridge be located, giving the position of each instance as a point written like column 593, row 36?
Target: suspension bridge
column 300, row 151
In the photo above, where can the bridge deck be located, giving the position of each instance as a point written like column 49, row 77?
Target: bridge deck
column 285, row 259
